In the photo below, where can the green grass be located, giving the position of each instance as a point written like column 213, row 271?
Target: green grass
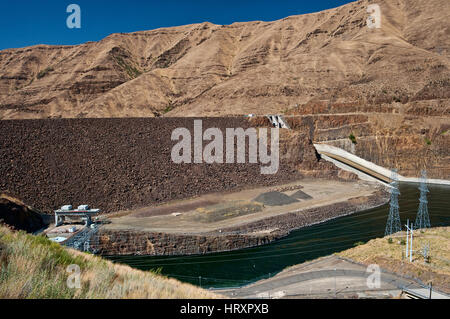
column 427, row 140
column 44, row 72
column 359, row 243
column 131, row 70
column 352, row 138
column 34, row 267
column 168, row 108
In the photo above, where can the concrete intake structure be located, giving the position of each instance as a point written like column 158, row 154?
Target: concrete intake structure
column 374, row 171
column 83, row 211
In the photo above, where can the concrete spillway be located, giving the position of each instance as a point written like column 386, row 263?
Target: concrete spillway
column 365, row 169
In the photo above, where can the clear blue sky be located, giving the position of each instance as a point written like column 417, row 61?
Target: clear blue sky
column 30, row 22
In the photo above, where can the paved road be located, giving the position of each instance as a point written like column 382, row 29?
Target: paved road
column 327, row 277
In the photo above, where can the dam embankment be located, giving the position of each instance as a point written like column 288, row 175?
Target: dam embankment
column 125, row 163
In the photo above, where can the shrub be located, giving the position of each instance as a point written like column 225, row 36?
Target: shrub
column 131, row 70
column 168, row 108
column 390, row 241
column 44, row 72
column 352, row 138
column 359, row 243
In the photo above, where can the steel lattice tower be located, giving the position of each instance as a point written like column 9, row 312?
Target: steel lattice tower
column 423, row 218
column 393, row 224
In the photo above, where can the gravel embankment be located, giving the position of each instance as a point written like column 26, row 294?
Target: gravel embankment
column 115, row 164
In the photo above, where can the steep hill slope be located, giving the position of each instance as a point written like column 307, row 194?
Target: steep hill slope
column 253, row 67
column 32, row 267
column 16, row 214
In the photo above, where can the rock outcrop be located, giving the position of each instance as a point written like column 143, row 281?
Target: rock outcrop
column 390, row 139
column 15, row 214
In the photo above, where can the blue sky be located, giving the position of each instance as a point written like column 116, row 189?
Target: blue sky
column 30, row 22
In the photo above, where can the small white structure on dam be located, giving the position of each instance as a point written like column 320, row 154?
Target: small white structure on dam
column 277, row 121
column 83, row 211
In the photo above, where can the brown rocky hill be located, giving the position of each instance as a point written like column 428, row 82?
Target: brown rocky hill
column 327, row 72
column 253, row 67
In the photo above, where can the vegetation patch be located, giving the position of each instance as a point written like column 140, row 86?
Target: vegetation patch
column 34, row 267
column 129, row 69
column 169, row 108
column 44, row 72
column 352, row 138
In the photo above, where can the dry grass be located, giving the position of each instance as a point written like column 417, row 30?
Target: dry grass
column 13, row 200
column 34, row 267
column 391, row 256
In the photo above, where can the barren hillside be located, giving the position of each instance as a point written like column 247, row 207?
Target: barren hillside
column 253, row 67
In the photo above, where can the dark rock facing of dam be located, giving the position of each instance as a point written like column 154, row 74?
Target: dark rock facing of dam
column 119, row 164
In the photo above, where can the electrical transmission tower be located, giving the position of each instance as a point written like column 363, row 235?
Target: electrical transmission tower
column 393, row 224
column 423, row 219
column 426, row 252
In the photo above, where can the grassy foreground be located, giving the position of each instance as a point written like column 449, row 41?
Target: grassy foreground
column 34, row 267
column 389, row 254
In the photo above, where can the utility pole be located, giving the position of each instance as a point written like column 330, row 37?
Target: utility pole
column 409, row 238
column 411, row 244
column 335, row 288
column 393, row 224
column 431, row 288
